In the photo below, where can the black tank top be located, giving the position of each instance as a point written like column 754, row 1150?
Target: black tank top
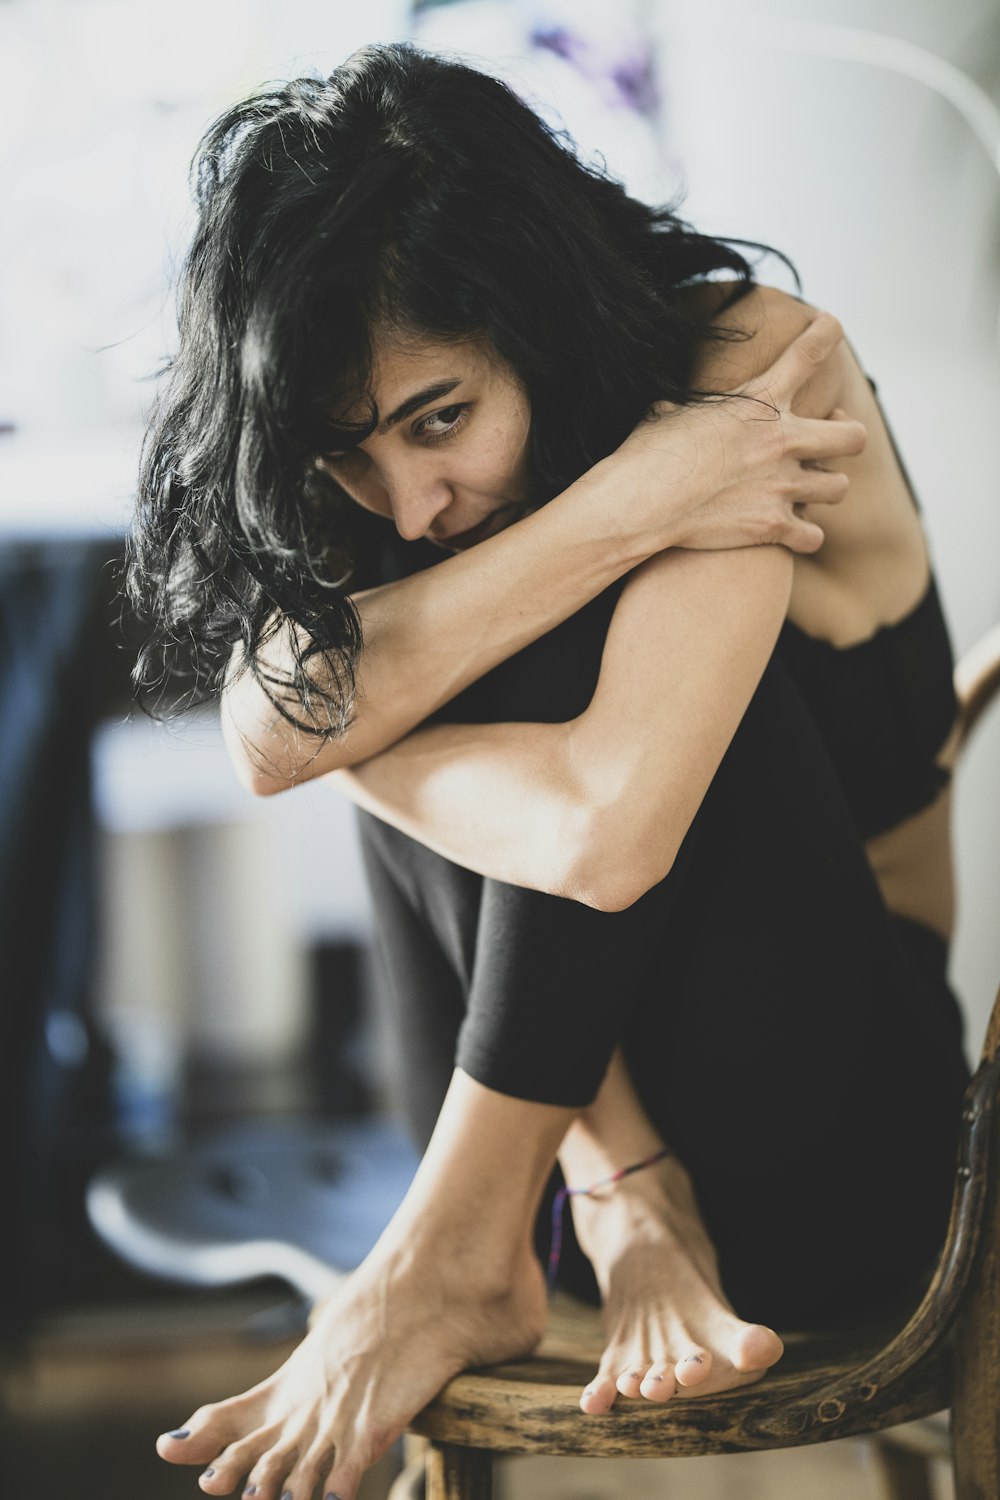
column 884, row 706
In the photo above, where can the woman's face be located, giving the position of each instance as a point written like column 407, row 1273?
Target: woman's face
column 449, row 459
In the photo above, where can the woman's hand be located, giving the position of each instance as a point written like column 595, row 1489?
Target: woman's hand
column 736, row 472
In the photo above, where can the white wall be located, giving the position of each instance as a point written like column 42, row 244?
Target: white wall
column 890, row 208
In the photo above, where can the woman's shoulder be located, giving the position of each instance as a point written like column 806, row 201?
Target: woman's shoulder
column 874, row 564
column 750, row 333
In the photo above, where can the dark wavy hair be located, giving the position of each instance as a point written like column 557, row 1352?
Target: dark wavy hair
column 410, row 192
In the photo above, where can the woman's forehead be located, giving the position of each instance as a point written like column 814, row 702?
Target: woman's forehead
column 404, row 365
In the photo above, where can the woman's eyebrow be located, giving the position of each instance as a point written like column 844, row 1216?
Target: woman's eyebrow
column 417, row 400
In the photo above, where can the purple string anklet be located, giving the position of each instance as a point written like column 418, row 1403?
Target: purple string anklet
column 559, row 1206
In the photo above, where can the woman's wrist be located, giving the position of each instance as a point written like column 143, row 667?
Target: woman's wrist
column 635, row 518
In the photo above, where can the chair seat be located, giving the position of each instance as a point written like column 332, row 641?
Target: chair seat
column 532, row 1405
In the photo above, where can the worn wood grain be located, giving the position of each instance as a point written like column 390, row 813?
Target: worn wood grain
column 991, row 1046
column 975, row 1412
column 827, row 1386
column 458, row 1473
column 977, row 682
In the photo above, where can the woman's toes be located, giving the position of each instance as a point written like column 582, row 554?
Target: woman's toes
column 658, row 1383
column 223, row 1474
column 268, row 1479
column 599, row 1396
column 301, row 1482
column 756, row 1348
column 694, row 1368
column 201, row 1439
column 341, row 1483
column 217, row 1479
column 630, row 1379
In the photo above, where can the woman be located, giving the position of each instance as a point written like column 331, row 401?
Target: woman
column 653, row 769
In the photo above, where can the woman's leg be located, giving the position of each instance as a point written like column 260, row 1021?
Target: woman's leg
column 670, row 1326
column 429, row 914
column 452, row 1282
column 821, row 1041
column 787, row 1037
column 429, row 1300
column 426, row 915
column 786, row 1040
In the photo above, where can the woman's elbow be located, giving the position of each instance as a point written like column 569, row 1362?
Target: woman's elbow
column 252, row 773
column 255, row 779
column 615, row 869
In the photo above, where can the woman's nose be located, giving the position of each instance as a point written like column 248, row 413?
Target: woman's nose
column 415, row 499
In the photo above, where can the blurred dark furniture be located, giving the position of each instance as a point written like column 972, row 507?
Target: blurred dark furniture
column 61, row 669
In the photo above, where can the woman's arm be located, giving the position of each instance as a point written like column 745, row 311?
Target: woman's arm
column 725, row 475
column 596, row 809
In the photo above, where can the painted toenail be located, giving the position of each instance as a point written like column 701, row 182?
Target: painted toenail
column 182, row 1432
column 286, row 1495
column 251, row 1489
column 654, row 1377
column 208, row 1474
column 692, row 1359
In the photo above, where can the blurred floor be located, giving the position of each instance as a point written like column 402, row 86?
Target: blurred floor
column 84, row 1400
column 836, row 1471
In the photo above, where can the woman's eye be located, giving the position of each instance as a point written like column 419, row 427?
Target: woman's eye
column 453, row 418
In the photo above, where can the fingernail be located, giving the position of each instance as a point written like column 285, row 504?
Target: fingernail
column 182, row 1432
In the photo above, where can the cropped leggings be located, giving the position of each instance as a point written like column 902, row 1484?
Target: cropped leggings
column 795, row 1044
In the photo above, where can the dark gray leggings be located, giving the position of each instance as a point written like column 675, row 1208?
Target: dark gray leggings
column 795, row 1044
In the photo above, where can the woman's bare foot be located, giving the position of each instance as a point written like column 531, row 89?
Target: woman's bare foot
column 671, row 1330
column 413, row 1315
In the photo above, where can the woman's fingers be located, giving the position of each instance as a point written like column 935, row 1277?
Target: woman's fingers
column 820, row 486
column 836, row 436
column 799, row 362
column 816, row 487
column 802, row 535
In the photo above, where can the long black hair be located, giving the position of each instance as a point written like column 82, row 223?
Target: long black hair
column 410, row 192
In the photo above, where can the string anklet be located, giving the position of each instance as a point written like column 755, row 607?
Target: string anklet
column 559, row 1206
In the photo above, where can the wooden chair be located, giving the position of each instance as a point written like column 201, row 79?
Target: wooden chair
column 862, row 1380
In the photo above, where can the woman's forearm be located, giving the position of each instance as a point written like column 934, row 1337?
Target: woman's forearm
column 429, row 636
column 596, row 808
column 499, row 799
column 713, row 477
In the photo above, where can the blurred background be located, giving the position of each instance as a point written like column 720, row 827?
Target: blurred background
column 181, row 963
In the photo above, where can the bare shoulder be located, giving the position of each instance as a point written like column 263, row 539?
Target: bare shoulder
column 753, row 332
column 873, row 565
